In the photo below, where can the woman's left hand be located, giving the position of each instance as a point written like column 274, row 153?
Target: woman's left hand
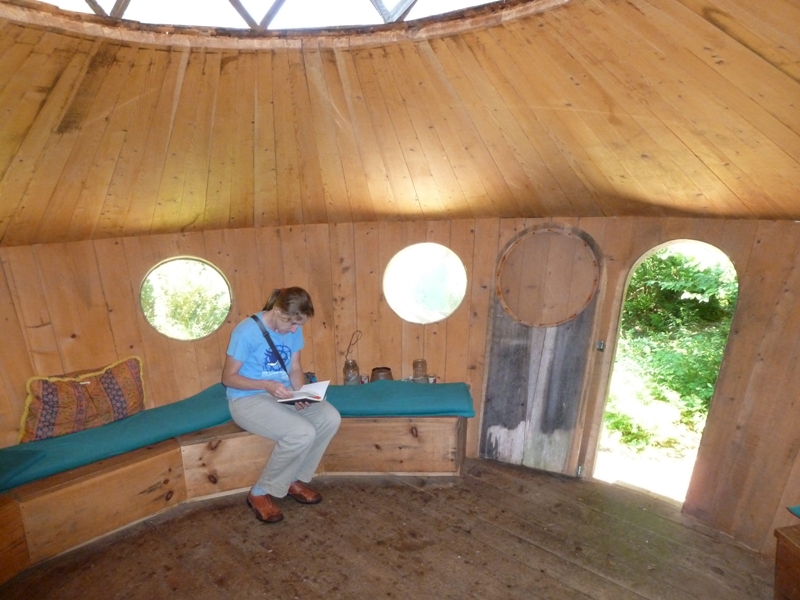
column 301, row 405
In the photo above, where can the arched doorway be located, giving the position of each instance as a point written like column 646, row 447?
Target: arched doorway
column 675, row 322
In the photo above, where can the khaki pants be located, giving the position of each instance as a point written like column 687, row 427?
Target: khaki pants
column 301, row 437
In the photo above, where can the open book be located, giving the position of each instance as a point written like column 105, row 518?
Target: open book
column 311, row 392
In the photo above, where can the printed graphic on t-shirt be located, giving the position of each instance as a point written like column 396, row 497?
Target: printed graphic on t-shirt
column 271, row 362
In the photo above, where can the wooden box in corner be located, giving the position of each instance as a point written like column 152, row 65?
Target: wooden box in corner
column 787, row 563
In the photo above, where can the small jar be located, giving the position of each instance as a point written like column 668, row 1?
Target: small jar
column 420, row 371
column 351, row 374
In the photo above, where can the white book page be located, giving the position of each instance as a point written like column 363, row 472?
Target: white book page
column 311, row 392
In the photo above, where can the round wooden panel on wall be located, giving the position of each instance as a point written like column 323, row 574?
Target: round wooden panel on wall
column 547, row 276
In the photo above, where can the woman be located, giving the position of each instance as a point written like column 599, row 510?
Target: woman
column 255, row 376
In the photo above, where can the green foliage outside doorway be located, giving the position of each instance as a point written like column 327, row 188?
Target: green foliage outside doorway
column 675, row 323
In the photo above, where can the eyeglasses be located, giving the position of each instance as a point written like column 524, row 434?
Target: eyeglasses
column 289, row 320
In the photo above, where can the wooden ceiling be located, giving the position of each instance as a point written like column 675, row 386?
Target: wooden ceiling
column 521, row 109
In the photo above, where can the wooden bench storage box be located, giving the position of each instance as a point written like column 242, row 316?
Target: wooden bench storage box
column 204, row 453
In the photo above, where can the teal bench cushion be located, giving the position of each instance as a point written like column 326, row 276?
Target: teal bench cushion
column 386, row 398
column 27, row 462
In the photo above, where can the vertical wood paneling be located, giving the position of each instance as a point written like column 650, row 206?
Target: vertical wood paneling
column 235, row 252
column 379, row 107
column 22, row 98
column 16, row 43
column 97, row 95
column 121, row 195
column 27, row 290
column 368, row 282
column 242, row 182
column 15, row 364
column 121, row 295
column 438, row 232
column 297, row 271
column 668, row 126
column 90, row 202
column 478, row 174
column 413, row 333
column 354, row 172
column 740, row 157
column 321, row 106
column 375, row 170
column 537, row 154
column 782, row 517
column 160, row 381
column 195, row 193
column 475, row 90
column 218, row 200
column 480, row 291
column 571, row 75
column 232, row 252
column 76, row 304
column 184, row 356
column 311, row 192
column 139, row 217
column 414, row 134
column 744, row 56
column 457, row 329
column 198, row 362
column 320, row 285
column 288, row 163
column 390, row 242
column 443, row 150
column 33, row 150
column 270, row 262
column 265, row 183
column 609, row 236
column 727, row 487
column 36, row 194
column 343, row 297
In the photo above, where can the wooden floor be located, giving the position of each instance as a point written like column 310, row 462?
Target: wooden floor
column 497, row 532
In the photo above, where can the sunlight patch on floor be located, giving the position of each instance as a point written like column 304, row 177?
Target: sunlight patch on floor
column 663, row 475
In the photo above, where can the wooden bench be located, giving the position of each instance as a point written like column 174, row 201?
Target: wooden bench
column 44, row 518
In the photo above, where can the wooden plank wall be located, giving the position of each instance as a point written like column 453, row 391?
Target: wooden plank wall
column 69, row 306
column 75, row 305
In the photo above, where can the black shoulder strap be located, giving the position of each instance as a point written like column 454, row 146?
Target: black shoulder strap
column 270, row 342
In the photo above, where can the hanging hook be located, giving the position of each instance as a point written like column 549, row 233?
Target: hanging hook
column 353, row 341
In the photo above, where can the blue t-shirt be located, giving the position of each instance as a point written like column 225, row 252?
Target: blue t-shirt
column 258, row 360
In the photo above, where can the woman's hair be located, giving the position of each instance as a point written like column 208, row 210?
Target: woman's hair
column 292, row 301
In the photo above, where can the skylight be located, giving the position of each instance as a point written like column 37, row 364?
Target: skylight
column 266, row 14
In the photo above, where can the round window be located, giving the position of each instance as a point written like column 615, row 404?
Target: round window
column 185, row 298
column 425, row 283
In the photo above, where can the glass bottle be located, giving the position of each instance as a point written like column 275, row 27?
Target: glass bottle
column 420, row 371
column 350, row 371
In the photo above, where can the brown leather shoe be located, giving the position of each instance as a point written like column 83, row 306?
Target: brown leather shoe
column 265, row 508
column 304, row 494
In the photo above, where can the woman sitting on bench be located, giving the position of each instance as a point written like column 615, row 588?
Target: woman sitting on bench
column 256, row 376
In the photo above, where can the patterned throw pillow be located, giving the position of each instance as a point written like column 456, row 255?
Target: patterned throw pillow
column 77, row 401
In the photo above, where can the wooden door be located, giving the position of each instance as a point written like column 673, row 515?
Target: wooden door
column 541, row 338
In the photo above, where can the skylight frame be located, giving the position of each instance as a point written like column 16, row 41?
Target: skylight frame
column 396, row 12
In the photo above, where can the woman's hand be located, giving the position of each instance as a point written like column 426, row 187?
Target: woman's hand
column 301, row 405
column 277, row 389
